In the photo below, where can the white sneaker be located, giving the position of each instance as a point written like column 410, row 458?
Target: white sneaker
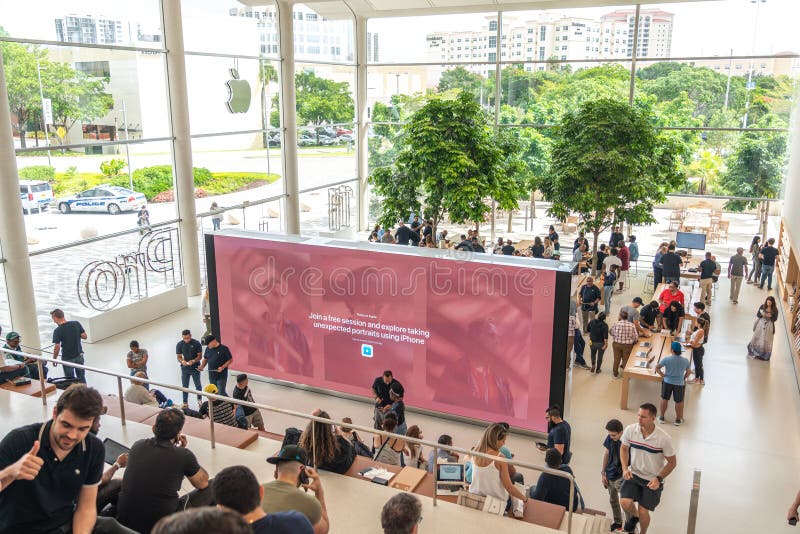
column 661, row 419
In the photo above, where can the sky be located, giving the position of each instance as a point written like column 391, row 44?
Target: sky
column 700, row 28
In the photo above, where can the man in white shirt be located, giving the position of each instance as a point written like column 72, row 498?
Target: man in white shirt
column 647, row 458
column 612, row 259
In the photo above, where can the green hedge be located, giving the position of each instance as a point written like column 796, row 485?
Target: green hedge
column 156, row 179
column 38, row 172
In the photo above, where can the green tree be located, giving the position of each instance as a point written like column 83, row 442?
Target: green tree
column 609, row 164
column 460, row 79
column 75, row 96
column 112, row 167
column 321, row 100
column 755, row 169
column 20, row 64
column 705, row 169
column 450, row 162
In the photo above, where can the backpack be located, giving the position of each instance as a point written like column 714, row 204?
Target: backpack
column 360, row 448
column 64, row 382
column 291, row 437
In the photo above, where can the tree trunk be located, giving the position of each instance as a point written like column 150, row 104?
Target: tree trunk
column 596, row 234
column 22, row 133
column 764, row 218
column 510, row 217
column 533, row 206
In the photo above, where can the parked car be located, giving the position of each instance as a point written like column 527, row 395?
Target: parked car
column 109, row 198
column 306, row 139
column 346, row 138
column 35, row 195
column 343, row 131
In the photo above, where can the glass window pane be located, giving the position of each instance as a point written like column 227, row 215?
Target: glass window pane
column 91, row 94
column 324, row 31
column 330, row 211
column 90, row 22
column 236, row 28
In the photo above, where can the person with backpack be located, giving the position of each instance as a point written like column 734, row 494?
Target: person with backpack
column 355, row 440
column 389, row 450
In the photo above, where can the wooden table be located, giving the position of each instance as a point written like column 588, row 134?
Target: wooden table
column 691, row 263
column 536, row 512
column 689, row 298
column 33, row 389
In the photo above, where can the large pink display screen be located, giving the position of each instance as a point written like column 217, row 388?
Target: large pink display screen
column 465, row 338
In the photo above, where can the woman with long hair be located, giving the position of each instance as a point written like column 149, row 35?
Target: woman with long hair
column 698, row 350
column 537, row 249
column 414, row 451
column 429, row 241
column 387, row 449
column 760, row 347
column 755, row 250
column 548, row 249
column 326, row 447
column 490, row 477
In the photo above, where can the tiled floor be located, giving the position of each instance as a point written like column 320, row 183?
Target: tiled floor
column 742, row 429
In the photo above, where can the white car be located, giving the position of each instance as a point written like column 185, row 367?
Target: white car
column 35, row 195
column 103, row 198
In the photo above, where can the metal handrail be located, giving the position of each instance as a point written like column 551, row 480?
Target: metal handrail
column 313, row 418
column 103, row 237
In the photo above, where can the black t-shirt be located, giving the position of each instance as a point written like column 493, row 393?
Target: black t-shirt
column 345, row 456
column 465, row 245
column 189, row 351
column 769, row 253
column 244, row 395
column 555, row 489
column 589, row 294
column 428, row 230
column 598, row 331
column 69, row 335
column 403, row 235
column 537, row 251
column 217, row 356
column 508, row 250
column 561, row 434
column 381, row 389
column 671, row 265
column 649, row 314
column 48, row 501
column 707, row 268
column 152, row 481
column 616, row 237
column 601, row 257
column 553, row 236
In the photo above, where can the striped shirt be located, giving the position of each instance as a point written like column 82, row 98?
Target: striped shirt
column 624, row 333
column 648, row 454
column 573, row 324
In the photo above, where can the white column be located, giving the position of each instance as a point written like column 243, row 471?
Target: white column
column 182, row 144
column 288, row 99
column 362, row 149
column 791, row 199
column 13, row 238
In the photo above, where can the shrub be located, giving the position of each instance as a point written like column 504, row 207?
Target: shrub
column 156, row 179
column 112, row 167
column 38, row 172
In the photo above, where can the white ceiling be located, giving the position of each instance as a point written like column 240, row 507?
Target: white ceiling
column 401, row 8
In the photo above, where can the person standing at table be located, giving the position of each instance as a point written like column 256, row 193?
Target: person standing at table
column 673, row 370
column 218, row 358
column 625, row 336
column 767, row 257
column 383, row 400
column 609, row 280
column 698, row 350
column 671, row 265
column 755, row 250
column 760, row 346
column 658, row 272
column 670, row 294
column 737, row 271
column 708, row 268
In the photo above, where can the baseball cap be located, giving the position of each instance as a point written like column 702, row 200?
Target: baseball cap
column 676, row 347
column 12, row 335
column 211, row 388
column 290, row 453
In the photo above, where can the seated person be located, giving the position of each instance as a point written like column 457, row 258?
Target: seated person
column 555, row 489
column 670, row 294
column 224, row 411
column 671, row 319
column 13, row 343
column 516, row 476
column 137, row 393
column 443, row 456
column 331, row 450
column 355, row 440
column 387, row 449
column 649, row 315
column 12, row 370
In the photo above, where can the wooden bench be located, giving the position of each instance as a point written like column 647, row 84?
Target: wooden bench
column 33, row 389
column 137, row 413
column 224, row 434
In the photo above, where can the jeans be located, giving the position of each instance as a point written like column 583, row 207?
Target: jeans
column 736, row 285
column 755, row 274
column 697, row 356
column 607, row 292
column 217, row 222
column 71, row 372
column 578, row 345
column 658, row 274
column 766, row 274
column 219, row 379
column 613, row 499
column 597, row 355
column 186, row 373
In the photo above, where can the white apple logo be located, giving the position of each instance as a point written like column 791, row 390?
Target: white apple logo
column 238, row 93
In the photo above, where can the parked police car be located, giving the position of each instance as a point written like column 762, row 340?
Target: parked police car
column 35, row 195
column 109, row 198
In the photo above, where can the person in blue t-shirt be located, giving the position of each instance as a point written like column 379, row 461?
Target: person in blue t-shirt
column 674, row 369
column 611, row 474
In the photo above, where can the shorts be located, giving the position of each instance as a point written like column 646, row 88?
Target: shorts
column 255, row 419
column 636, row 489
column 671, row 390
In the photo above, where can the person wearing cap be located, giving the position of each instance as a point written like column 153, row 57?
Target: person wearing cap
column 31, row 369
column 737, row 271
column 224, row 411
column 674, row 369
column 633, row 313
column 14, row 366
column 155, row 472
column 218, row 358
column 284, row 493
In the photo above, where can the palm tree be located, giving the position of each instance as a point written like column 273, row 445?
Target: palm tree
column 266, row 74
column 707, row 167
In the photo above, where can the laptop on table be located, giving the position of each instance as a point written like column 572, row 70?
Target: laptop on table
column 450, row 478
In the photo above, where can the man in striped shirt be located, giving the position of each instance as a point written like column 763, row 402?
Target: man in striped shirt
column 625, row 337
column 647, row 458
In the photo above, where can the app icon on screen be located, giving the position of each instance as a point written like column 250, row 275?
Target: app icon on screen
column 366, row 350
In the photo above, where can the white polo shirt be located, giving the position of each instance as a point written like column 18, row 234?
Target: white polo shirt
column 647, row 454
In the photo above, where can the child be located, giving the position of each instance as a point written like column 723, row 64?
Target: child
column 612, row 470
